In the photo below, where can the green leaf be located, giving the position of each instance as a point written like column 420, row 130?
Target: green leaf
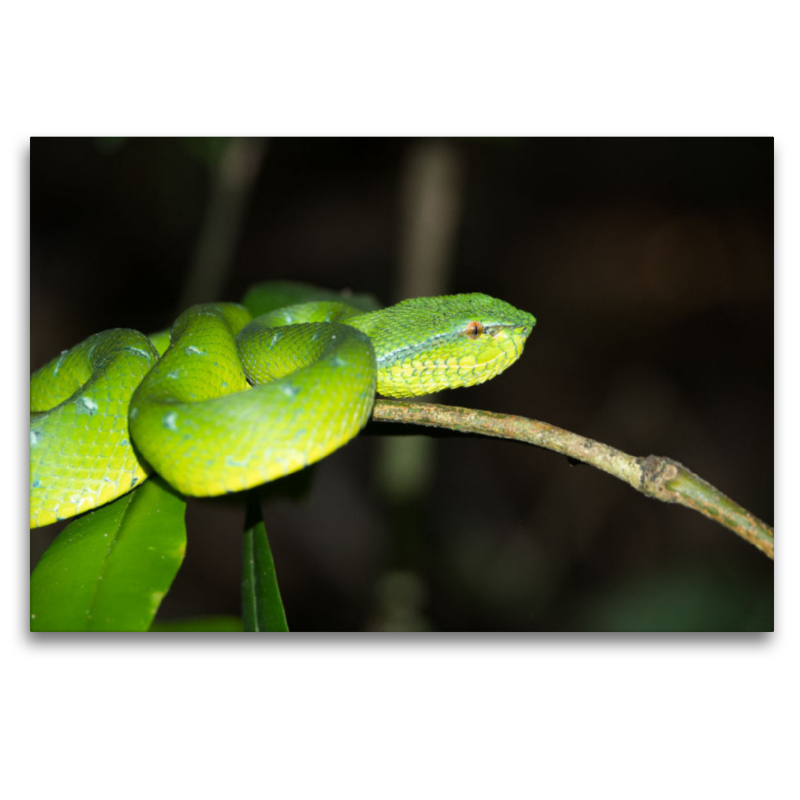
column 198, row 624
column 685, row 597
column 262, row 609
column 110, row 569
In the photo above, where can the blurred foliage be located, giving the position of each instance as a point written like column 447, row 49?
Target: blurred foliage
column 680, row 598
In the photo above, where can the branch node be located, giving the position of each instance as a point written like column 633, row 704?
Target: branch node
column 657, row 471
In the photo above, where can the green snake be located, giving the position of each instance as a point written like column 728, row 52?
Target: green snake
column 238, row 395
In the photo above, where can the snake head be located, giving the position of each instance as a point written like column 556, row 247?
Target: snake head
column 426, row 344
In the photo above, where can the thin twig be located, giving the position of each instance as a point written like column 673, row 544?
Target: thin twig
column 654, row 476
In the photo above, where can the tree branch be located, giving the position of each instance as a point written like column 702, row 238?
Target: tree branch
column 654, row 476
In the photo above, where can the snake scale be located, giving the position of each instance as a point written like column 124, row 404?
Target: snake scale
column 238, row 395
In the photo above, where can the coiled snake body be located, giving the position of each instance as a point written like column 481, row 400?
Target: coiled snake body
column 229, row 402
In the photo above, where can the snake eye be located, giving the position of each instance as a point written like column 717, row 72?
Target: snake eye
column 473, row 330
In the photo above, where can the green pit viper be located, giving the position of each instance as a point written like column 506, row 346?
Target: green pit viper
column 238, row 395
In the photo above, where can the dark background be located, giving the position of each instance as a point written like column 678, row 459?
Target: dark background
column 649, row 266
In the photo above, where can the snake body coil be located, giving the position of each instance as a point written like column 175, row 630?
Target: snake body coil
column 234, row 402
